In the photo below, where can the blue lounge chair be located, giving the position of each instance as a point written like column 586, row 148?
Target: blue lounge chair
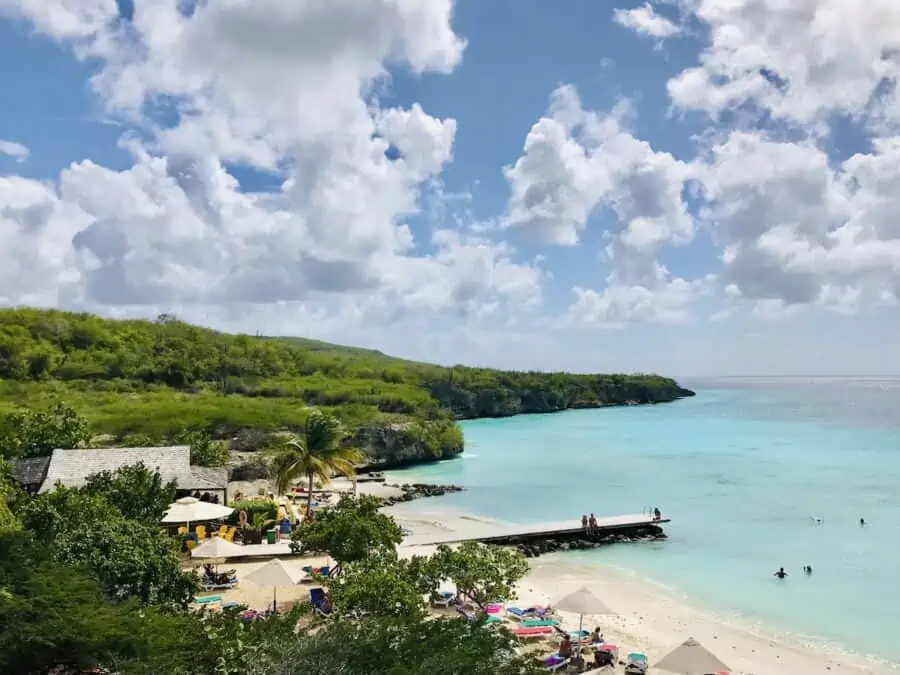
column 636, row 664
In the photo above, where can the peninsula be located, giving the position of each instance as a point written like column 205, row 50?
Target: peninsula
column 146, row 382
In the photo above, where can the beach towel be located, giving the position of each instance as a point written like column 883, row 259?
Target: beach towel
column 533, row 632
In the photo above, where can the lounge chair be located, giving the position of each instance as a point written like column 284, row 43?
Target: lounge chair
column 208, row 599
column 555, row 662
column 605, row 654
column 472, row 617
column 317, row 599
column 636, row 664
column 537, row 623
column 574, row 635
column 534, row 632
column 443, row 599
column 220, row 584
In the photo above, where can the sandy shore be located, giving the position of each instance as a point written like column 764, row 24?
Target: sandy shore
column 648, row 619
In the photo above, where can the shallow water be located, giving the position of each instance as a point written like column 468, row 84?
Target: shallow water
column 743, row 468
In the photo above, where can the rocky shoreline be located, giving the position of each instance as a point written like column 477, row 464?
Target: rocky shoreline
column 532, row 548
column 413, row 491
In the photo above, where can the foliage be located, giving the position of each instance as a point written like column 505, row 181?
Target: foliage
column 253, row 469
column 38, row 433
column 160, row 378
column 8, row 521
column 351, row 532
column 204, row 450
column 264, row 508
column 137, row 492
column 482, row 573
column 54, row 614
column 316, row 454
column 380, row 584
column 129, row 559
column 397, row 645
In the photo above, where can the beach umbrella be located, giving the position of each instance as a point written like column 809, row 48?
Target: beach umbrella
column 188, row 509
column 692, row 658
column 582, row 602
column 274, row 574
column 217, row 548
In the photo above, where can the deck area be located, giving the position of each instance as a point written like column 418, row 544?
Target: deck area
column 489, row 533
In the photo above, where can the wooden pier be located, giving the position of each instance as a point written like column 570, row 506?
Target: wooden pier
column 488, row 533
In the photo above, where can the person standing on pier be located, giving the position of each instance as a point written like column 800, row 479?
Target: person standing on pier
column 657, row 514
column 584, row 523
column 592, row 524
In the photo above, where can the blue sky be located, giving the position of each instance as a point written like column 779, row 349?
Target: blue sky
column 695, row 187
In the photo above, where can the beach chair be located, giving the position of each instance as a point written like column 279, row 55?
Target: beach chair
column 182, row 530
column 532, row 633
column 472, row 617
column 555, row 662
column 223, row 530
column 636, row 664
column 208, row 599
column 443, row 599
column 229, row 533
column 317, row 599
column 605, row 654
column 201, row 531
column 537, row 623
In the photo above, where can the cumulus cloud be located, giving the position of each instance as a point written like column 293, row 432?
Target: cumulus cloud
column 290, row 89
column 646, row 21
column 15, row 150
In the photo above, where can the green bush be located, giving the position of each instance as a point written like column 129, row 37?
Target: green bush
column 265, row 508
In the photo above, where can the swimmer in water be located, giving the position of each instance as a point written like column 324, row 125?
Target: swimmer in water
column 807, row 570
column 781, row 574
column 862, row 522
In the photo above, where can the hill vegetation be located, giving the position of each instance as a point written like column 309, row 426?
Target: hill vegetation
column 154, row 380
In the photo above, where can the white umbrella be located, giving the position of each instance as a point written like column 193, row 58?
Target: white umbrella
column 275, row 574
column 189, row 509
column 217, row 547
column 692, row 658
column 582, row 602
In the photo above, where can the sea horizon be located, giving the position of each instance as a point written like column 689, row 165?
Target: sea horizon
column 744, row 470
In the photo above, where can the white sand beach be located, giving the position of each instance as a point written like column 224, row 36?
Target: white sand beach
column 649, row 619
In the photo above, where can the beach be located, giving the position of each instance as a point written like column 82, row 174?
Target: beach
column 647, row 619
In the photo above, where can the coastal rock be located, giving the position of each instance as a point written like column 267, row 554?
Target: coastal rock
column 393, row 446
column 419, row 491
column 536, row 547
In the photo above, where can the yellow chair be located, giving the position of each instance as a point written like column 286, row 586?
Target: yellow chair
column 190, row 543
column 223, row 531
column 231, row 532
column 182, row 530
column 201, row 531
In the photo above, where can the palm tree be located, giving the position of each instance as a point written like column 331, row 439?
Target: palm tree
column 317, row 453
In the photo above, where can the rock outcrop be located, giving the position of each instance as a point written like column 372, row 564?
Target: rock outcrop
column 405, row 444
column 533, row 548
column 419, row 491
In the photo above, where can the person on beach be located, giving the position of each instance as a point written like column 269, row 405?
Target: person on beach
column 592, row 524
column 781, row 574
column 565, row 647
column 657, row 514
column 596, row 636
column 584, row 523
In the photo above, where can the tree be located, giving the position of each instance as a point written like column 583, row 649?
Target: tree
column 137, row 492
column 53, row 615
column 129, row 559
column 37, row 434
column 483, row 574
column 204, row 450
column 397, row 645
column 352, row 531
column 317, row 453
column 8, row 521
column 381, row 585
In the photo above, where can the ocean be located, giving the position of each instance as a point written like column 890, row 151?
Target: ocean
column 744, row 469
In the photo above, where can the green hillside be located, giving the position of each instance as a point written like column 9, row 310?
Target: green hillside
column 159, row 378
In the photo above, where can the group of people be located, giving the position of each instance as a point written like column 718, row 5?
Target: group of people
column 567, row 648
column 781, row 574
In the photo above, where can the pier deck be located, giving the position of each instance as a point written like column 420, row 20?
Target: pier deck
column 490, row 533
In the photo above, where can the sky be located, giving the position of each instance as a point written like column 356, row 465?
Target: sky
column 689, row 187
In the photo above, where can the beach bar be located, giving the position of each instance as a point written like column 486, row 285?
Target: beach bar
column 516, row 534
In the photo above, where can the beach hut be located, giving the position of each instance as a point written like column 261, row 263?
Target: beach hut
column 692, row 658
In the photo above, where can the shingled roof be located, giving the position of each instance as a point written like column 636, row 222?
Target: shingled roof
column 30, row 472
column 72, row 467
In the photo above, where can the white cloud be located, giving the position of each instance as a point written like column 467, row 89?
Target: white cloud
column 646, row 21
column 288, row 88
column 15, row 150
column 799, row 61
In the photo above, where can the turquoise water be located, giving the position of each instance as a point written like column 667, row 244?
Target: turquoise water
column 742, row 469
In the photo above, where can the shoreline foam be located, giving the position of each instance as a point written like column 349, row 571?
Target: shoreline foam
column 655, row 618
